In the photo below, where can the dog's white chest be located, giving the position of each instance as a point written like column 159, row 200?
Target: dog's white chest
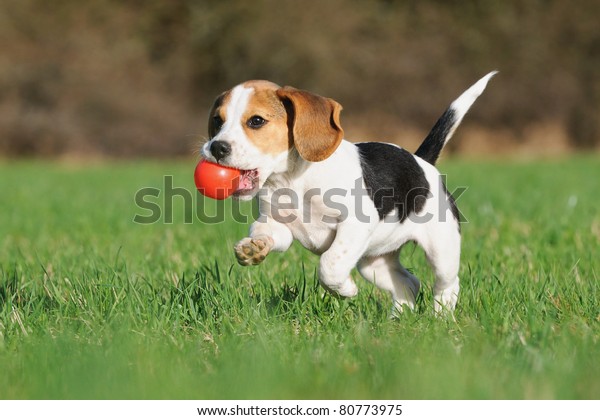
column 311, row 222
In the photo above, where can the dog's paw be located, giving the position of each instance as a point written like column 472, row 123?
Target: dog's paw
column 253, row 251
column 345, row 289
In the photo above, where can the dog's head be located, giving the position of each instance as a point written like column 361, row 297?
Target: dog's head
column 255, row 126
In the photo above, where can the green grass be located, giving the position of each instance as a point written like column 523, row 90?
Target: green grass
column 93, row 305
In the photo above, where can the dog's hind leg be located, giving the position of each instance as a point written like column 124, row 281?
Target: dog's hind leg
column 387, row 273
column 443, row 254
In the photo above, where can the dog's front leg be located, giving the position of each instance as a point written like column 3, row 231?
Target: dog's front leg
column 350, row 243
column 265, row 236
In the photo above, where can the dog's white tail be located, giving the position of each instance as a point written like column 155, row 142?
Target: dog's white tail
column 444, row 128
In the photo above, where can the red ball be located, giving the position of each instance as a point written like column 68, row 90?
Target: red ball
column 216, row 181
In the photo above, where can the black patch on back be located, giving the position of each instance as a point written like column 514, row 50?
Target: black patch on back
column 393, row 178
column 433, row 144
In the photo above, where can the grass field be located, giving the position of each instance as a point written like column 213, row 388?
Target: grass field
column 93, row 305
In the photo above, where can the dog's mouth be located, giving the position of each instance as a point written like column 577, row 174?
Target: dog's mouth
column 248, row 183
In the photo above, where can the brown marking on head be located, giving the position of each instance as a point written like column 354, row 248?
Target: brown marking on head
column 271, row 138
column 313, row 122
column 261, row 85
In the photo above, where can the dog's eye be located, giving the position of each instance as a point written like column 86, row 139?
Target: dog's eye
column 217, row 122
column 256, row 121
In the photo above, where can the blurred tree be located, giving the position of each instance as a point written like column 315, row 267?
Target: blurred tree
column 136, row 77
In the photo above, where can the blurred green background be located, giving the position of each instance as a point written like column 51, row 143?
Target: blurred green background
column 132, row 78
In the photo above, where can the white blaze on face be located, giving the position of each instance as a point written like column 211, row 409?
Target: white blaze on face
column 232, row 131
column 240, row 96
column 244, row 154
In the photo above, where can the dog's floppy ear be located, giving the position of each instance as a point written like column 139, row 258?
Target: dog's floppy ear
column 313, row 123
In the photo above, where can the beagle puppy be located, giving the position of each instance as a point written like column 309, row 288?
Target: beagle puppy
column 354, row 204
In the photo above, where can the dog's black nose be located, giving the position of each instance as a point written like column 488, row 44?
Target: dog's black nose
column 220, row 149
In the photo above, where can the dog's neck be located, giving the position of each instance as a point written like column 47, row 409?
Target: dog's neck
column 296, row 167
